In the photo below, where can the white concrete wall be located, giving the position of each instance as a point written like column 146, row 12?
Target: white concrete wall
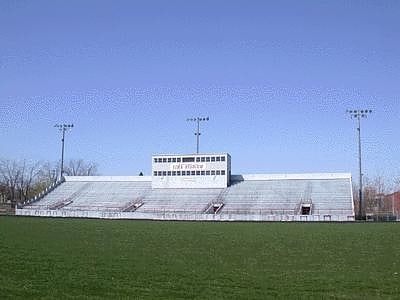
column 108, row 178
column 300, row 176
column 216, row 181
column 181, row 216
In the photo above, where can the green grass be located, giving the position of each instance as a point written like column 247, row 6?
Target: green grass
column 77, row 258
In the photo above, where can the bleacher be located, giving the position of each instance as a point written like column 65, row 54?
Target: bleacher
column 331, row 197
column 109, row 196
column 179, row 200
column 247, row 195
column 61, row 193
column 327, row 196
column 93, row 195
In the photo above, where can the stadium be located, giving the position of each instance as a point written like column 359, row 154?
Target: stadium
column 198, row 187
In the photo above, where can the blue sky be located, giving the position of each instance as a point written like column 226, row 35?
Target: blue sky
column 275, row 78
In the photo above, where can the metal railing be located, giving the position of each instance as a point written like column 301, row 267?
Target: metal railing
column 43, row 193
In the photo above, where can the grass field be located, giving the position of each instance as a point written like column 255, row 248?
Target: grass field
column 77, row 258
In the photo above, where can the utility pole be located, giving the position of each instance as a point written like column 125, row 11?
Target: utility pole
column 197, row 133
column 63, row 128
column 359, row 114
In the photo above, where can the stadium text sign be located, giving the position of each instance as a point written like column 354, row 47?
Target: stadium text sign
column 179, row 167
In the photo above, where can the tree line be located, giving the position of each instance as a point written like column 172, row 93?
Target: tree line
column 376, row 195
column 20, row 180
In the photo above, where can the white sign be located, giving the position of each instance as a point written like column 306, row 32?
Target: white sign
column 187, row 166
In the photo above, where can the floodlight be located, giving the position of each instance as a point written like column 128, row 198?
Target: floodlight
column 63, row 128
column 198, row 133
column 358, row 114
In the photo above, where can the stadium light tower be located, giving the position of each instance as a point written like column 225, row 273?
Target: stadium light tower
column 63, row 128
column 197, row 133
column 359, row 114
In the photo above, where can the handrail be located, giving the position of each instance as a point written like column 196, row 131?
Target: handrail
column 44, row 192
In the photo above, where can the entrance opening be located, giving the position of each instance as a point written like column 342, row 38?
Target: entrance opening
column 305, row 210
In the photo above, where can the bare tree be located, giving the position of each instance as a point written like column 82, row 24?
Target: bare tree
column 78, row 167
column 28, row 179
column 3, row 192
column 21, row 180
column 374, row 193
column 397, row 184
column 10, row 173
column 18, row 178
column 48, row 173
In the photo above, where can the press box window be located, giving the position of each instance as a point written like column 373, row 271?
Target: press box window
column 164, row 173
column 174, row 159
column 223, row 172
column 193, row 173
column 155, row 160
column 212, row 172
column 213, row 158
column 207, row 159
column 164, row 160
column 218, row 158
column 203, row 159
column 203, row 173
column 178, row 159
column 197, row 173
column 222, row 158
column 159, row 173
column 197, row 159
column 178, row 173
column 187, row 159
column 218, row 172
column 207, row 172
column 169, row 173
column 155, row 173
column 169, row 159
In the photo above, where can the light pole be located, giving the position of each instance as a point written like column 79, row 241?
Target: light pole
column 197, row 133
column 63, row 128
column 393, row 203
column 358, row 114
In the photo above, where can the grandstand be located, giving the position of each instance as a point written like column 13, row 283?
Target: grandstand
column 319, row 194
column 198, row 187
